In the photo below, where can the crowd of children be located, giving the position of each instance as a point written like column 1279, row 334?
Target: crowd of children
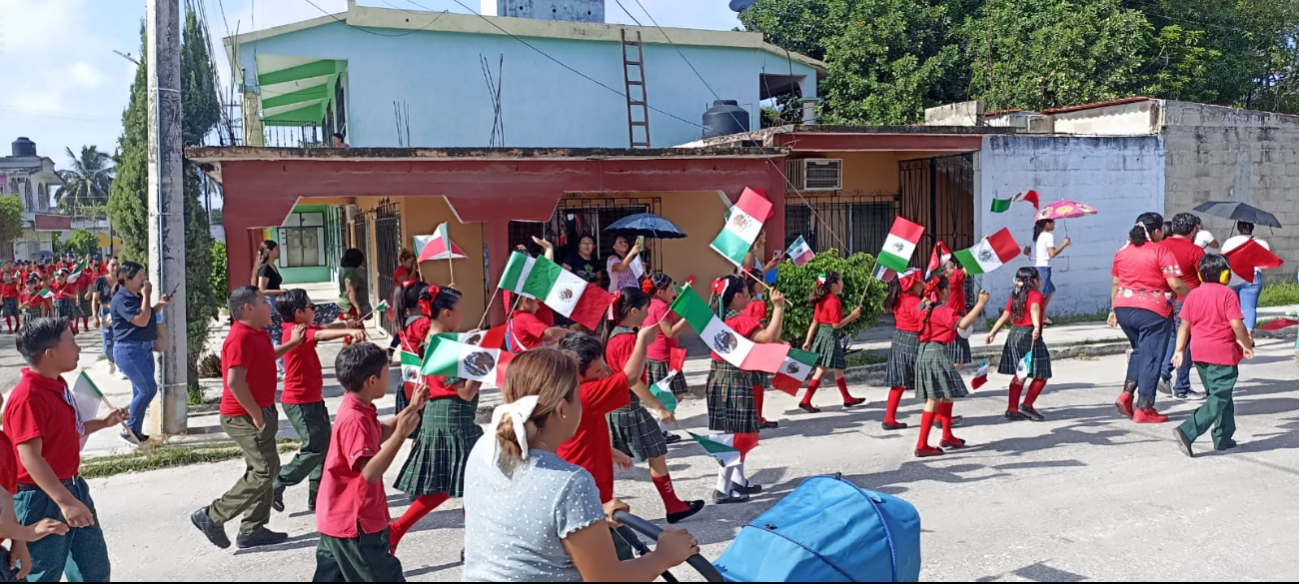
column 62, row 286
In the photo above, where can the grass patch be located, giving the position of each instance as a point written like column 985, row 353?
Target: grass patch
column 168, row 456
column 1280, row 294
column 866, row 358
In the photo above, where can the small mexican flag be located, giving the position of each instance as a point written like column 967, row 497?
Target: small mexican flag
column 939, row 257
column 800, row 252
column 794, row 371
column 743, row 224
column 76, row 271
column 662, row 389
column 437, row 246
column 723, row 340
column 980, row 376
column 516, row 273
column 989, row 254
column 564, row 292
column 488, row 339
column 46, row 293
column 1001, row 205
column 900, row 245
column 410, row 377
column 87, row 397
column 1025, row 367
column 728, row 449
column 448, row 358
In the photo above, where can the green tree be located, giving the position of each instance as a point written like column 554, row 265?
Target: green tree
column 127, row 207
column 797, row 284
column 81, row 242
column 87, row 183
column 11, row 217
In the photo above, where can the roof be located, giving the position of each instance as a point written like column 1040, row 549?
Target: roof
column 1095, row 105
column 216, row 155
column 766, row 136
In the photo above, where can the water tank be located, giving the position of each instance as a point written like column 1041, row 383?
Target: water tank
column 726, row 117
column 24, row 147
column 741, row 5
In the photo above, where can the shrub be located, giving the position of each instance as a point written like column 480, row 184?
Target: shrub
column 1279, row 294
column 797, row 284
column 209, row 367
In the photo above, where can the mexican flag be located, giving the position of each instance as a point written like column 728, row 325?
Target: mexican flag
column 410, row 377
column 87, row 397
column 516, row 273
column 1024, row 368
column 562, row 291
column 76, row 271
column 1029, row 196
column 989, row 254
column 800, row 252
column 939, row 257
column 980, row 376
column 46, row 293
column 1003, row 205
column 900, row 245
column 743, row 224
column 728, row 449
column 794, row 371
column 437, row 246
column 723, row 340
column 662, row 389
column 448, row 358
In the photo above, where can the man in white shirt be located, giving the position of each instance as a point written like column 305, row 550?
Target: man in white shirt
column 1206, row 240
column 1248, row 292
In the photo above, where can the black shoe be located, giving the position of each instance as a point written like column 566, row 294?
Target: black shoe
column 720, row 498
column 956, row 421
column 1032, row 413
column 1183, row 443
column 311, row 506
column 856, row 401
column 695, row 507
column 809, row 408
column 751, row 489
column 259, row 538
column 214, row 533
column 1165, row 386
column 896, row 426
column 1225, row 445
column 768, row 425
column 277, row 500
column 670, row 438
column 1015, row 416
column 136, row 439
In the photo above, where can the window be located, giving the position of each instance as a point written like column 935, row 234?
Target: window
column 303, row 238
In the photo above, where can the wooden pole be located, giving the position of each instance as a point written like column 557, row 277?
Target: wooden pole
column 451, row 265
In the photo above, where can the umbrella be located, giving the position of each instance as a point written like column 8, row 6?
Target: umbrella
column 1065, row 210
column 646, row 225
column 1239, row 212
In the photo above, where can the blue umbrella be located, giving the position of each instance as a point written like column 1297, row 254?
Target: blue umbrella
column 646, row 225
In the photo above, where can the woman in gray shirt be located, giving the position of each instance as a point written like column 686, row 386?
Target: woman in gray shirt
column 531, row 517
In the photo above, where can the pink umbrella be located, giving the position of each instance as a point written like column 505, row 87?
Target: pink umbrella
column 1065, row 210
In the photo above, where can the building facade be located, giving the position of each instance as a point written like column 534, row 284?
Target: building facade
column 33, row 179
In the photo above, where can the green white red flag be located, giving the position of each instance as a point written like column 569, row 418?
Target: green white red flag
column 723, row 340
column 728, row 449
column 438, row 246
column 990, row 254
column 900, row 245
column 743, row 224
column 980, row 376
column 794, row 370
column 447, row 358
column 560, row 289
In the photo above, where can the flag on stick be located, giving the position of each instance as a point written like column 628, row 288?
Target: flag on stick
column 76, row 271
column 437, row 246
column 723, row 340
column 800, row 252
column 448, row 358
column 794, row 371
column 410, row 376
column 728, row 449
column 87, row 397
column 900, row 245
column 662, row 389
column 939, row 257
column 743, row 224
column 1001, row 205
column 990, row 254
column 1024, row 368
column 980, row 376
column 1250, row 256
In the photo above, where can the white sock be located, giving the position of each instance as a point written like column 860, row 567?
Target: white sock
column 738, row 477
column 724, row 480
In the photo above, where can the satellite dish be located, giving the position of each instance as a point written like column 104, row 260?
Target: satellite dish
column 741, row 5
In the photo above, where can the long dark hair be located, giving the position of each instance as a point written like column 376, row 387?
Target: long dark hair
column 1039, row 227
column 894, row 294
column 1024, row 280
column 126, row 271
column 263, row 256
column 627, row 300
column 655, row 284
column 822, row 289
column 1146, row 223
column 729, row 286
column 420, row 299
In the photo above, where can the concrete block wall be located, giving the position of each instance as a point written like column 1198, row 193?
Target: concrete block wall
column 1121, row 177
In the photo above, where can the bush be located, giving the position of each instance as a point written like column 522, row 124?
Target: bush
column 797, row 284
column 1279, row 294
column 220, row 285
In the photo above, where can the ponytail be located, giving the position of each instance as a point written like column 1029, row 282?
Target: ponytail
column 929, row 298
column 655, row 284
column 1025, row 278
column 624, row 301
column 420, row 299
column 1039, row 227
column 547, row 375
column 724, row 290
column 824, row 282
column 1147, row 222
column 263, row 255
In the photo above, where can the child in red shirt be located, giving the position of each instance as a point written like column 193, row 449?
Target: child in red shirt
column 304, row 405
column 937, row 381
column 353, row 508
column 9, row 297
column 32, row 304
column 1024, row 310
column 961, row 354
column 903, row 300
column 65, row 299
column 825, row 338
column 1213, row 321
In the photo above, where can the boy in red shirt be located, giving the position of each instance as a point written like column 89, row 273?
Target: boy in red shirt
column 353, row 513
column 304, row 405
column 9, row 296
column 48, row 431
column 1214, row 324
column 249, row 417
column 1188, row 255
column 10, row 529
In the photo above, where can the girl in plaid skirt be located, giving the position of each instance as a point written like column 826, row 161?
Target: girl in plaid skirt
column 661, row 294
column 65, row 299
column 937, row 381
column 758, row 309
column 9, row 296
column 435, row 470
column 903, row 301
column 827, row 324
column 1024, row 311
column 634, row 431
column 956, row 299
column 731, row 407
column 32, row 304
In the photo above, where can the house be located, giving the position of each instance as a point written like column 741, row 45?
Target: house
column 33, row 178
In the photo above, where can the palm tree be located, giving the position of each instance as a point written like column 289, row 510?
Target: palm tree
column 86, row 185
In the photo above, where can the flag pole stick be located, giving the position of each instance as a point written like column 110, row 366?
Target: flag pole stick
column 490, row 302
column 104, row 399
column 451, row 266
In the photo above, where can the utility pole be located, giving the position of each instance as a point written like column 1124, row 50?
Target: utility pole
column 167, row 211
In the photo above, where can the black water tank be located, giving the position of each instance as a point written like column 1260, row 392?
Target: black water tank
column 726, row 117
column 24, row 147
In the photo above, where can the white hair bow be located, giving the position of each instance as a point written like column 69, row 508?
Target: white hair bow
column 520, row 411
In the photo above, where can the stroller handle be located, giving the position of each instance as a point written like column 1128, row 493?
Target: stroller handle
column 698, row 562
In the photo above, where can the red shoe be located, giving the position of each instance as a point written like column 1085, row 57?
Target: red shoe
column 1124, row 404
column 953, row 444
column 928, row 451
column 1149, row 416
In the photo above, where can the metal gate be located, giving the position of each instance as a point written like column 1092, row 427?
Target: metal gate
column 577, row 216
column 939, row 194
column 387, row 247
column 850, row 223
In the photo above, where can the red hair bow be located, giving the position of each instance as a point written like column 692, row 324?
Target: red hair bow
column 647, row 286
column 426, row 300
column 931, row 291
column 719, row 286
column 909, row 280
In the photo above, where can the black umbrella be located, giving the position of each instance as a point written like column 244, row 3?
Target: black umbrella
column 1239, row 212
column 646, row 225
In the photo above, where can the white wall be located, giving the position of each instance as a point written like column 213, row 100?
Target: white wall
column 1121, row 177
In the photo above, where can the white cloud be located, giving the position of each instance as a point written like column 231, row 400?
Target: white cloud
column 87, row 75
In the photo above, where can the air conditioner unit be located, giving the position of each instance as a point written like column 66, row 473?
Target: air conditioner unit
column 816, row 174
column 349, row 213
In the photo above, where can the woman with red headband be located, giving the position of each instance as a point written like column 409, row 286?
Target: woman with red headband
column 435, row 470
column 937, row 381
column 827, row 325
column 903, row 300
column 731, row 407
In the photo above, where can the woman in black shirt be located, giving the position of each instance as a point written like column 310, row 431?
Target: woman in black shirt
column 584, row 262
column 267, row 278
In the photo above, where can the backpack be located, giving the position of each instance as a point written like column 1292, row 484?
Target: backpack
column 828, row 530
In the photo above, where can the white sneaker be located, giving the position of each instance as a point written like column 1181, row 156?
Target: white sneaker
column 112, row 368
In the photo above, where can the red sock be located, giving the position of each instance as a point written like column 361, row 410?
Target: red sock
column 926, row 422
column 811, row 390
column 422, row 506
column 9, row 320
column 843, row 389
column 1034, row 390
column 1015, row 388
column 895, row 398
column 758, row 394
column 670, row 501
column 945, row 417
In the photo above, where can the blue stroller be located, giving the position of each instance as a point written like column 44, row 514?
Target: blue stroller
column 826, row 530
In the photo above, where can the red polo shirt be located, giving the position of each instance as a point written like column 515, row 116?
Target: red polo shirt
column 1034, row 297
column 907, row 313
column 251, row 349
column 37, row 408
column 346, row 499
column 527, row 331
column 941, row 327
column 829, row 310
column 303, row 376
column 1188, row 257
column 590, row 447
column 8, row 465
column 956, row 289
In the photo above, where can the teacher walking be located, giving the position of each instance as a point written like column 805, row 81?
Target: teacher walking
column 134, row 331
column 267, row 278
column 1044, row 250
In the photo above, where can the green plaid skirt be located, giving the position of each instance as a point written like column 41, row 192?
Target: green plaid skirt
column 1018, row 344
column 65, row 308
column 961, row 351
column 731, row 407
column 936, row 378
column 10, row 307
column 31, row 313
column 902, row 360
column 827, row 345
column 659, row 369
column 438, row 457
column 636, row 433
column 84, row 305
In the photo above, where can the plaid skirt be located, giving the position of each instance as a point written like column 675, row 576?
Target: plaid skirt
column 438, row 458
column 636, row 433
column 659, row 369
column 31, row 313
column 731, row 407
column 85, row 307
column 961, row 351
column 827, row 345
column 902, row 360
column 936, row 378
column 65, row 308
column 1018, row 344
column 10, row 307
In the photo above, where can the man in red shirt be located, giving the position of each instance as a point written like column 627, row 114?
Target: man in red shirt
column 48, row 430
column 353, row 513
column 304, row 405
column 249, row 417
column 1182, row 245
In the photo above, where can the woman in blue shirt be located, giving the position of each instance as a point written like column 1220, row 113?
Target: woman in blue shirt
column 134, row 331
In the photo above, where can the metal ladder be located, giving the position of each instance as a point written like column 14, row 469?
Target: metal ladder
column 635, row 79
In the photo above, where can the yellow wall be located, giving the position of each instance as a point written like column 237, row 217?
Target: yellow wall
column 701, row 215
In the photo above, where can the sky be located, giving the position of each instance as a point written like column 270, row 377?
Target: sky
column 65, row 87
